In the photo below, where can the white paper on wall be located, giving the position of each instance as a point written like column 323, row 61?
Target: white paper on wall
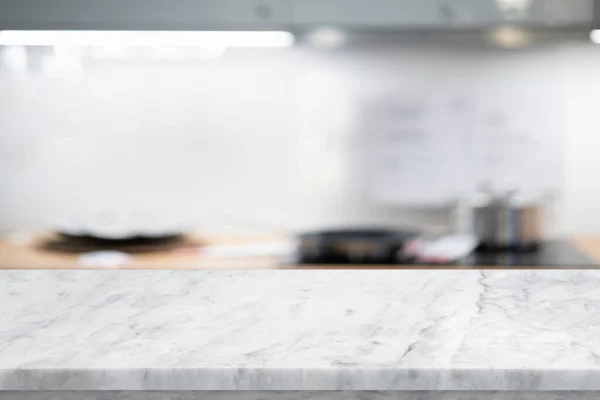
column 519, row 138
column 420, row 148
column 442, row 146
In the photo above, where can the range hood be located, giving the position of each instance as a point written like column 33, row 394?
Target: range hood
column 368, row 15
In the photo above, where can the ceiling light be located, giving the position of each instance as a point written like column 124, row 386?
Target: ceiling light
column 148, row 38
column 509, row 37
column 327, row 38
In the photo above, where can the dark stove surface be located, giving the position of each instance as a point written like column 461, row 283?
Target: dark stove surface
column 556, row 253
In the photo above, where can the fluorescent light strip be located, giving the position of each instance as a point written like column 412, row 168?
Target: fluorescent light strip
column 595, row 36
column 148, row 38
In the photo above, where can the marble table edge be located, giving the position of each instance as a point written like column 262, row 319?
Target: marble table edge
column 301, row 379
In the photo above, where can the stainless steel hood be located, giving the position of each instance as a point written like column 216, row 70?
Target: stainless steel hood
column 369, row 15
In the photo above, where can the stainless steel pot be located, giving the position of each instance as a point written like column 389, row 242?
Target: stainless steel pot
column 504, row 223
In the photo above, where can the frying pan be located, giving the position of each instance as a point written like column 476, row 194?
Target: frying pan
column 352, row 245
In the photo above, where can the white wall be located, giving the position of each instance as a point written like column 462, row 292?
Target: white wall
column 578, row 212
column 267, row 136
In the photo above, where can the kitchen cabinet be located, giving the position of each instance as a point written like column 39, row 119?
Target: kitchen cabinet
column 374, row 13
column 144, row 14
column 282, row 14
column 410, row 14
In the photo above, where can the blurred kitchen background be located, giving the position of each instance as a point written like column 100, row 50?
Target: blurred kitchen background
column 380, row 113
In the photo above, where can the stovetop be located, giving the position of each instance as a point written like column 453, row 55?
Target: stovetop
column 550, row 254
column 555, row 253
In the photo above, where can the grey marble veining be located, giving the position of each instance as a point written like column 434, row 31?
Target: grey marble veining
column 293, row 395
column 300, row 330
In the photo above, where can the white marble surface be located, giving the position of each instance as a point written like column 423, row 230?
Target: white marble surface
column 291, row 395
column 300, row 330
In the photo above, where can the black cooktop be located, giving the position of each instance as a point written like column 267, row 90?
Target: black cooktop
column 550, row 254
column 554, row 253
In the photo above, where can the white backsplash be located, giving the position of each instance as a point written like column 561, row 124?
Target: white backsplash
column 267, row 136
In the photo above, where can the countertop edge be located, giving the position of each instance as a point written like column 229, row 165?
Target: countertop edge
column 304, row 379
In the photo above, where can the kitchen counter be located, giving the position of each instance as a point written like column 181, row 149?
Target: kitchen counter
column 445, row 332
column 26, row 253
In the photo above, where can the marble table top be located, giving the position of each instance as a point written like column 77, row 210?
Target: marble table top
column 300, row 330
